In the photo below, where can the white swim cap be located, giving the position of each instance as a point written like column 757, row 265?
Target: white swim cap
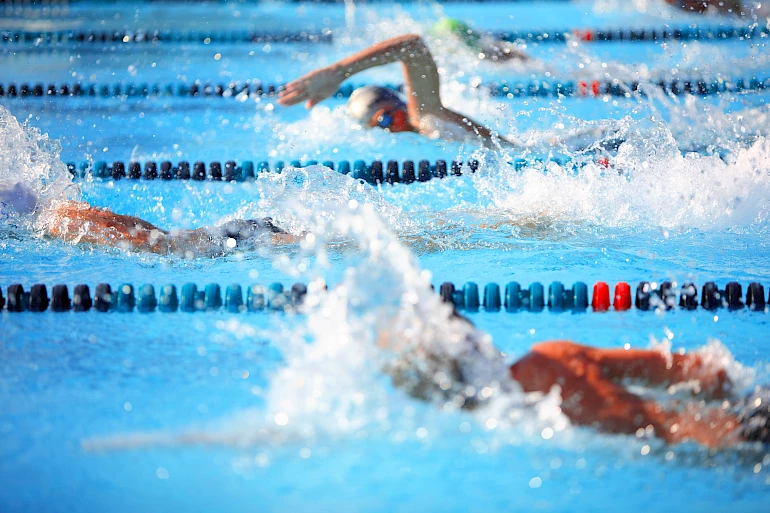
column 366, row 101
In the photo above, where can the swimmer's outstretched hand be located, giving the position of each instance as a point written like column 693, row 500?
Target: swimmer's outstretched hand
column 313, row 88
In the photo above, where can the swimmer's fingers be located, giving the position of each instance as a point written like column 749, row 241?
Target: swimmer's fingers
column 313, row 87
column 289, row 98
column 292, row 95
column 296, row 97
column 294, row 92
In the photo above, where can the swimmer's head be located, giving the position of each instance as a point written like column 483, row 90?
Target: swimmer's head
column 375, row 106
column 456, row 28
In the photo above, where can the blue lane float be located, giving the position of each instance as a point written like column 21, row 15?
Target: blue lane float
column 507, row 89
column 373, row 173
column 120, row 37
column 511, row 298
column 125, row 298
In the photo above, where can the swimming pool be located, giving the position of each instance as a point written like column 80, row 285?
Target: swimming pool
column 262, row 411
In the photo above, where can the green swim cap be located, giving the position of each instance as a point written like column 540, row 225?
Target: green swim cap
column 458, row 29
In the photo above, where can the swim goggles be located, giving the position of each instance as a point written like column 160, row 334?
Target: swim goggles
column 385, row 120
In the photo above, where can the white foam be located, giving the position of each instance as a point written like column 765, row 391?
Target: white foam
column 336, row 380
column 31, row 159
column 649, row 184
column 383, row 313
column 316, row 192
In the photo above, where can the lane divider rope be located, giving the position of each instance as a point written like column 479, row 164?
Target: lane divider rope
column 28, row 10
column 646, row 34
column 651, row 34
column 67, row 3
column 377, row 172
column 256, row 88
column 160, row 36
column 649, row 296
column 274, row 297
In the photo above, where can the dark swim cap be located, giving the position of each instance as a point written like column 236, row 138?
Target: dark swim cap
column 366, row 101
column 754, row 416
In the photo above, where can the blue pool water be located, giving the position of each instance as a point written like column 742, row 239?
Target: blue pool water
column 267, row 412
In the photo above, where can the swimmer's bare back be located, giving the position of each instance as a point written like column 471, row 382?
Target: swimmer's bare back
column 592, row 394
column 80, row 222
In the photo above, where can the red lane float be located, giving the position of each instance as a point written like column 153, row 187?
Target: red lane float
column 583, row 35
column 601, row 298
column 622, row 296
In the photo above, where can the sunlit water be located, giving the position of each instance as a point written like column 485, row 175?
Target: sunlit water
column 202, row 412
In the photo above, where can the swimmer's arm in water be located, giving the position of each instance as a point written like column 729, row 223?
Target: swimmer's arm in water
column 649, row 366
column 590, row 397
column 421, row 80
column 81, row 222
column 502, row 51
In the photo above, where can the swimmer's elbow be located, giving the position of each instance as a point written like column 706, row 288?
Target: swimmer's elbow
column 413, row 38
column 413, row 42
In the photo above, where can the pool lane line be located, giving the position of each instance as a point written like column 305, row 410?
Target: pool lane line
column 274, row 297
column 749, row 33
column 641, row 34
column 56, row 37
column 30, row 11
column 504, row 88
column 649, row 296
column 378, row 172
column 125, row 299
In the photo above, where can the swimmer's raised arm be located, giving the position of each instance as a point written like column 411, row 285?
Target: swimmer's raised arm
column 420, row 76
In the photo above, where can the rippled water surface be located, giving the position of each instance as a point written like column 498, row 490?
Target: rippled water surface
column 269, row 412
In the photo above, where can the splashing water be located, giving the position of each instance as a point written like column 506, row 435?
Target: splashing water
column 316, row 192
column 648, row 184
column 381, row 326
column 403, row 328
column 31, row 160
column 379, row 336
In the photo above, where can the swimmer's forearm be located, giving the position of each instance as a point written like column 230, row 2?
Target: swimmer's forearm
column 421, row 78
column 402, row 48
column 629, row 414
column 658, row 368
column 421, row 75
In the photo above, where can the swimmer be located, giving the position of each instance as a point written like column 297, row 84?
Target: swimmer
column 372, row 106
column 459, row 368
column 79, row 222
column 485, row 46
